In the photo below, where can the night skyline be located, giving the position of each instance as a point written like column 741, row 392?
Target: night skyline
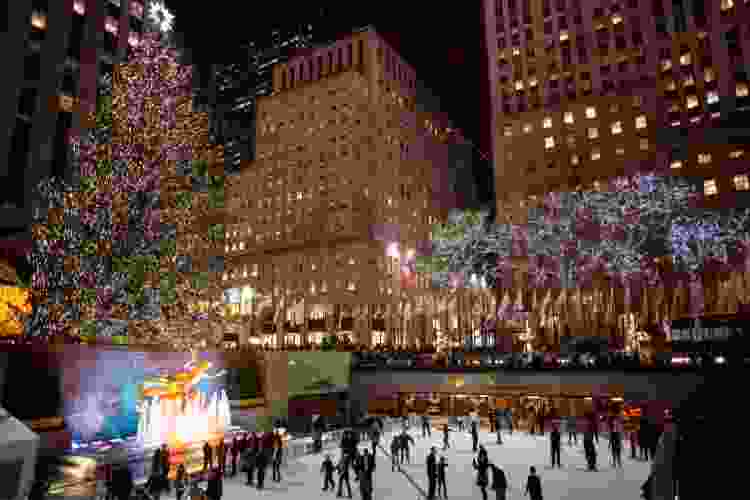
column 446, row 48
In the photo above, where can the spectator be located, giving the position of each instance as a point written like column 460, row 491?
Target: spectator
column 180, row 482
column 214, row 488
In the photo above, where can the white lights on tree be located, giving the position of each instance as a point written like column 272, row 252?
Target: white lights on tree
column 161, row 16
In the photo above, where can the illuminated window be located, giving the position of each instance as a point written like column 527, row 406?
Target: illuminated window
column 519, row 84
column 704, row 158
column 574, row 160
column 549, row 142
column 736, row 154
column 640, row 121
column 727, row 4
column 527, row 128
column 568, row 117
column 712, row 97
column 692, row 101
column 226, row 248
column 643, row 144
column 741, row 182
column 516, row 51
column 741, row 89
column 666, row 64
column 675, row 164
column 590, row 112
column 620, row 151
column 533, row 82
column 686, row 59
column 709, row 187
column 323, row 286
column 242, row 246
column 688, row 81
column 351, row 286
column 593, row 132
column 313, row 289
column 637, row 101
column 616, row 19
column 563, row 35
column 547, row 123
column 671, row 85
column 709, row 75
column 508, row 131
column 38, row 20
column 616, row 128
column 225, row 277
column 596, row 154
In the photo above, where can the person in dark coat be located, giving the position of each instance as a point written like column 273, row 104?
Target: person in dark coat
column 261, row 462
column 395, row 451
column 432, row 473
column 278, row 456
column 156, row 464
column 533, row 485
column 555, row 439
column 474, row 436
column 207, row 456
column 235, row 449
column 426, row 431
column 441, row 472
column 446, row 438
column 375, row 439
column 589, row 450
column 499, row 482
column 165, row 468
column 643, row 439
column 343, row 469
column 154, row 485
column 327, row 469
column 404, row 441
column 615, row 447
column 180, row 482
column 365, row 469
column 215, row 487
column 248, row 463
column 122, row 482
column 481, row 465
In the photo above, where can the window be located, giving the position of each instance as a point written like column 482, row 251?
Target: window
column 547, row 123
column 643, row 144
column 508, row 130
column 727, row 4
column 741, row 182
column 593, row 132
column 549, row 142
column 675, row 164
column 686, row 59
column 568, row 117
column 620, row 151
column 704, row 158
column 712, row 97
column 666, row 64
column 616, row 128
column 519, row 84
column 527, row 128
column 709, row 187
column 574, row 160
column 692, row 101
column 596, row 154
column 741, row 89
column 590, row 112
column 640, row 121
column 738, row 153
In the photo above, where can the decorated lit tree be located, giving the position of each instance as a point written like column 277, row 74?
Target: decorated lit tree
column 106, row 249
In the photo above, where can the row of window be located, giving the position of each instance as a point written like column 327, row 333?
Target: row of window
column 741, row 183
column 569, row 119
column 314, row 68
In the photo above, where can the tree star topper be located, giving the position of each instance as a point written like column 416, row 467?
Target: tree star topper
column 161, row 16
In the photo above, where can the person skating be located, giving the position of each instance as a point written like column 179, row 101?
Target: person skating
column 555, row 444
column 426, row 432
column 278, row 455
column 327, row 469
column 180, row 481
column 589, row 450
column 405, row 440
column 596, row 428
column 215, row 487
column 498, row 427
column 492, row 423
column 164, row 457
column 481, row 465
column 207, row 456
column 482, row 454
column 615, row 447
column 533, row 485
column 365, row 469
column 446, row 445
column 474, row 436
column 572, row 431
column 432, row 473
column 499, row 482
column 343, row 469
column 261, row 462
column 375, row 439
column 441, row 486
column 395, row 452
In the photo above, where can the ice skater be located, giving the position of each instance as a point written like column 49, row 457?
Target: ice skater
column 326, row 468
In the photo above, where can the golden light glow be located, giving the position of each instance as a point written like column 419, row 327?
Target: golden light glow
column 13, row 300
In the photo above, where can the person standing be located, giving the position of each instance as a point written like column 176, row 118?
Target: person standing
column 214, row 488
column 595, row 421
column 492, row 422
column 153, row 485
column 207, row 456
column 425, row 427
column 432, row 473
column 481, row 465
column 395, row 452
column 405, row 440
column 180, row 482
column 460, row 420
column 343, row 470
column 327, row 469
column 441, row 472
column 446, row 445
column 235, row 453
column 164, row 457
column 633, row 443
column 615, row 445
column 261, row 462
column 122, row 482
column 474, row 436
column 365, row 469
column 498, row 427
column 555, row 443
column 533, row 485
column 499, row 482
column 642, row 439
column 278, row 451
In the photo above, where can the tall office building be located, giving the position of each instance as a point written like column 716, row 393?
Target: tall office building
column 55, row 53
column 583, row 90
column 351, row 173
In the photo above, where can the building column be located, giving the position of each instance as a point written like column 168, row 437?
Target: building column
column 330, row 321
column 305, row 331
column 389, row 323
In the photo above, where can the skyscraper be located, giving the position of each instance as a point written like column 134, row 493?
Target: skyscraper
column 583, row 90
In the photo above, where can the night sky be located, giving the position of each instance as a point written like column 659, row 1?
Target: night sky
column 444, row 45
